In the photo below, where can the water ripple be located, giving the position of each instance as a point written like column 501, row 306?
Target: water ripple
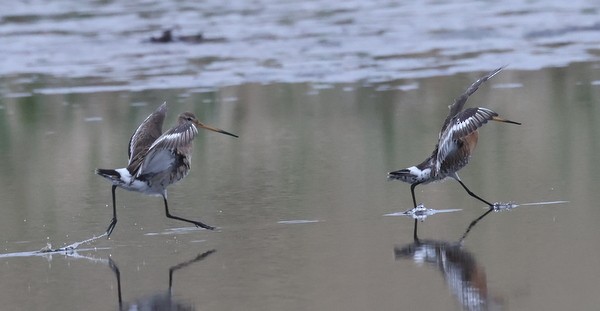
column 267, row 41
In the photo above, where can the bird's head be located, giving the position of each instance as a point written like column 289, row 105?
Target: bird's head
column 190, row 117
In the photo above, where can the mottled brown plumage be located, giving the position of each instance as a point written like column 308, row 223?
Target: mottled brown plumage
column 156, row 159
column 457, row 140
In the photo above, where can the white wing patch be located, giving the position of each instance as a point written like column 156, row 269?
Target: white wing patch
column 165, row 139
column 175, row 137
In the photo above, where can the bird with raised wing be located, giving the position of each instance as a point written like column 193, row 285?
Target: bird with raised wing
column 157, row 160
column 457, row 140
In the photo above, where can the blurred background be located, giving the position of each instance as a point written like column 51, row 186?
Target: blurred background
column 327, row 97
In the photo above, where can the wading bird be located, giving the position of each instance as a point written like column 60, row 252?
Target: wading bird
column 157, row 160
column 457, row 140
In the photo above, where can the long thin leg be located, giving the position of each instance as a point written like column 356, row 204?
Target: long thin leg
column 197, row 223
column 113, row 222
column 473, row 223
column 412, row 191
column 474, row 195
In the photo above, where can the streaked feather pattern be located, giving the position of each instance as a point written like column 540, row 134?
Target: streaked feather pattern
column 460, row 126
column 147, row 132
column 178, row 136
column 157, row 160
column 457, row 140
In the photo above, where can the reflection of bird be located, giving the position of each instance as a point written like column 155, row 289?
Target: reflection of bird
column 457, row 140
column 159, row 301
column 157, row 161
column 465, row 277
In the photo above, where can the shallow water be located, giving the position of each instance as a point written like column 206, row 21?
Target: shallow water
column 299, row 198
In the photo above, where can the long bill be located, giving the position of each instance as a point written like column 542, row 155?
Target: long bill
column 505, row 121
column 214, row 129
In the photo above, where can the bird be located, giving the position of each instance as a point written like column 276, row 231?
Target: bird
column 157, row 160
column 457, row 140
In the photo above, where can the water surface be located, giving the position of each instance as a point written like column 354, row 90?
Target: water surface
column 327, row 98
column 299, row 198
column 92, row 46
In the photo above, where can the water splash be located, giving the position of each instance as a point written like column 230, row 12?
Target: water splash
column 68, row 250
column 544, row 203
column 505, row 206
column 297, row 221
column 171, row 231
column 421, row 212
column 70, row 247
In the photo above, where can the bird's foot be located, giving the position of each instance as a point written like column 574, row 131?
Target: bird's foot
column 503, row 206
column 202, row 225
column 419, row 212
column 111, row 227
column 420, row 208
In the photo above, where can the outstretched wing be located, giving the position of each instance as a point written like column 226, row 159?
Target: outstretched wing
column 461, row 125
column 148, row 132
column 460, row 101
column 160, row 156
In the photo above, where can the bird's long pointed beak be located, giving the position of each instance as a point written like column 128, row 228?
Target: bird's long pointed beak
column 505, row 121
column 214, row 129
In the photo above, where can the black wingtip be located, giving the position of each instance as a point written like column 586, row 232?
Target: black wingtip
column 495, row 72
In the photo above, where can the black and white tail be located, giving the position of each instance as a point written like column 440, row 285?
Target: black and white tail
column 402, row 174
column 120, row 177
column 412, row 174
column 112, row 175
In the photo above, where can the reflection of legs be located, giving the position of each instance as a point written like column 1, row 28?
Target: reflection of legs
column 474, row 195
column 415, row 237
column 412, row 191
column 113, row 222
column 473, row 223
column 197, row 223
column 187, row 263
column 115, row 269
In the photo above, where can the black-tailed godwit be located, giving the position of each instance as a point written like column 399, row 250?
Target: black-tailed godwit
column 457, row 140
column 157, row 160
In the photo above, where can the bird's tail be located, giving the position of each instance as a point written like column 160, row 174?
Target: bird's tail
column 505, row 121
column 403, row 174
column 112, row 175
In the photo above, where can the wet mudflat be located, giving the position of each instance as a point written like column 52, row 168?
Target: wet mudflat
column 325, row 105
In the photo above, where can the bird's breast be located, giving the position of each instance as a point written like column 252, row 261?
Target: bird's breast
column 470, row 142
column 459, row 155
